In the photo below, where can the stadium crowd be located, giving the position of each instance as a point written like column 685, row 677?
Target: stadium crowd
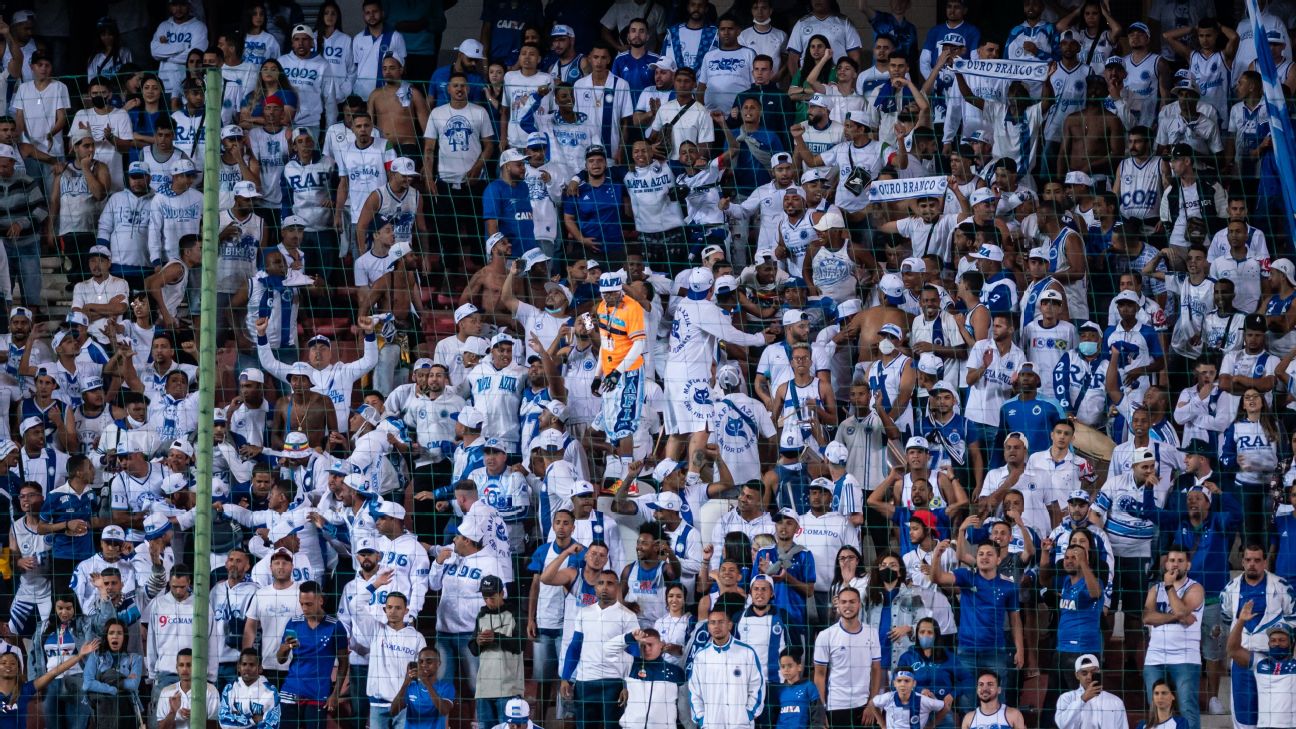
column 640, row 364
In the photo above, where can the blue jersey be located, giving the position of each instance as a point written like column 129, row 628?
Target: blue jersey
column 1284, row 545
column 64, row 505
column 939, row 673
column 794, row 703
column 986, row 604
column 507, row 20
column 635, row 71
column 1209, row 543
column 441, row 79
column 510, row 206
column 1079, row 630
column 1033, row 418
column 1135, row 347
column 597, row 211
column 421, row 711
column 1000, row 294
column 792, row 603
column 310, row 675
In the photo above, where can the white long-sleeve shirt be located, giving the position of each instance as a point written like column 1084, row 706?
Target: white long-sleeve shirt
column 405, row 556
column 171, row 627
column 459, row 582
column 170, row 47
column 312, row 79
column 1104, row 711
column 334, row 381
column 598, row 656
column 390, row 653
column 170, row 217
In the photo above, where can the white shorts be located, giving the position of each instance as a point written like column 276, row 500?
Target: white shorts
column 688, row 405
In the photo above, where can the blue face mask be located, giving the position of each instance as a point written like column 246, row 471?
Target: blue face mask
column 926, row 641
column 1088, row 349
column 1280, row 654
column 553, row 310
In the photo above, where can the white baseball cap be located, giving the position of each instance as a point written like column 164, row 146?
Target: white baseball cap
column 980, row 195
column 989, row 252
column 246, row 188
column 1077, row 177
column 464, row 311
column 836, row 453
column 667, row 501
column 831, row 220
column 472, row 48
column 404, row 166
column 1283, row 265
column 701, row 280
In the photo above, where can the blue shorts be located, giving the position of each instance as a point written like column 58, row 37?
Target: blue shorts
column 622, row 407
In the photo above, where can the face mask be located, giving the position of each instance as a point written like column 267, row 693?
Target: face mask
column 926, row 641
column 553, row 310
column 888, row 575
column 99, row 102
column 1280, row 654
column 1088, row 349
column 886, row 347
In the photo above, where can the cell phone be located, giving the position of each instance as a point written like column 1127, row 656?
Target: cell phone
column 290, row 635
column 1095, row 678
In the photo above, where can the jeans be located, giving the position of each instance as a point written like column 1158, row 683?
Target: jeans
column 380, row 717
column 1184, row 678
column 359, row 678
column 384, row 373
column 453, row 648
column 62, row 704
column 972, row 661
column 24, row 259
column 544, row 655
column 596, row 703
column 490, row 712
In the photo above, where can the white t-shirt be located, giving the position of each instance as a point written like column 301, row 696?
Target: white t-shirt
column 459, row 134
column 365, row 171
column 849, row 658
column 994, row 388
column 649, row 189
column 838, row 29
column 694, row 125
column 369, row 269
column 518, row 88
column 726, row 73
column 273, row 609
column 1245, row 275
column 40, row 109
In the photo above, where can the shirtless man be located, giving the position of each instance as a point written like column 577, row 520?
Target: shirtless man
column 871, row 321
column 398, row 109
column 304, row 410
column 1093, row 136
column 486, row 287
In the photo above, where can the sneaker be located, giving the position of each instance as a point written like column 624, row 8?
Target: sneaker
column 1216, row 706
column 297, row 278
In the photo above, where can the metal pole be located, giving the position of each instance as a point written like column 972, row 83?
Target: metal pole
column 206, row 392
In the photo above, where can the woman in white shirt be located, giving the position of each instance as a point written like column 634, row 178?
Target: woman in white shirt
column 840, row 94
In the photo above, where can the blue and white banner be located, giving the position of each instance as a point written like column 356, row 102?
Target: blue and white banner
column 884, row 191
column 1032, row 71
column 1280, row 128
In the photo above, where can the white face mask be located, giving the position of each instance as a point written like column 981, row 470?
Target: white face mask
column 886, row 347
